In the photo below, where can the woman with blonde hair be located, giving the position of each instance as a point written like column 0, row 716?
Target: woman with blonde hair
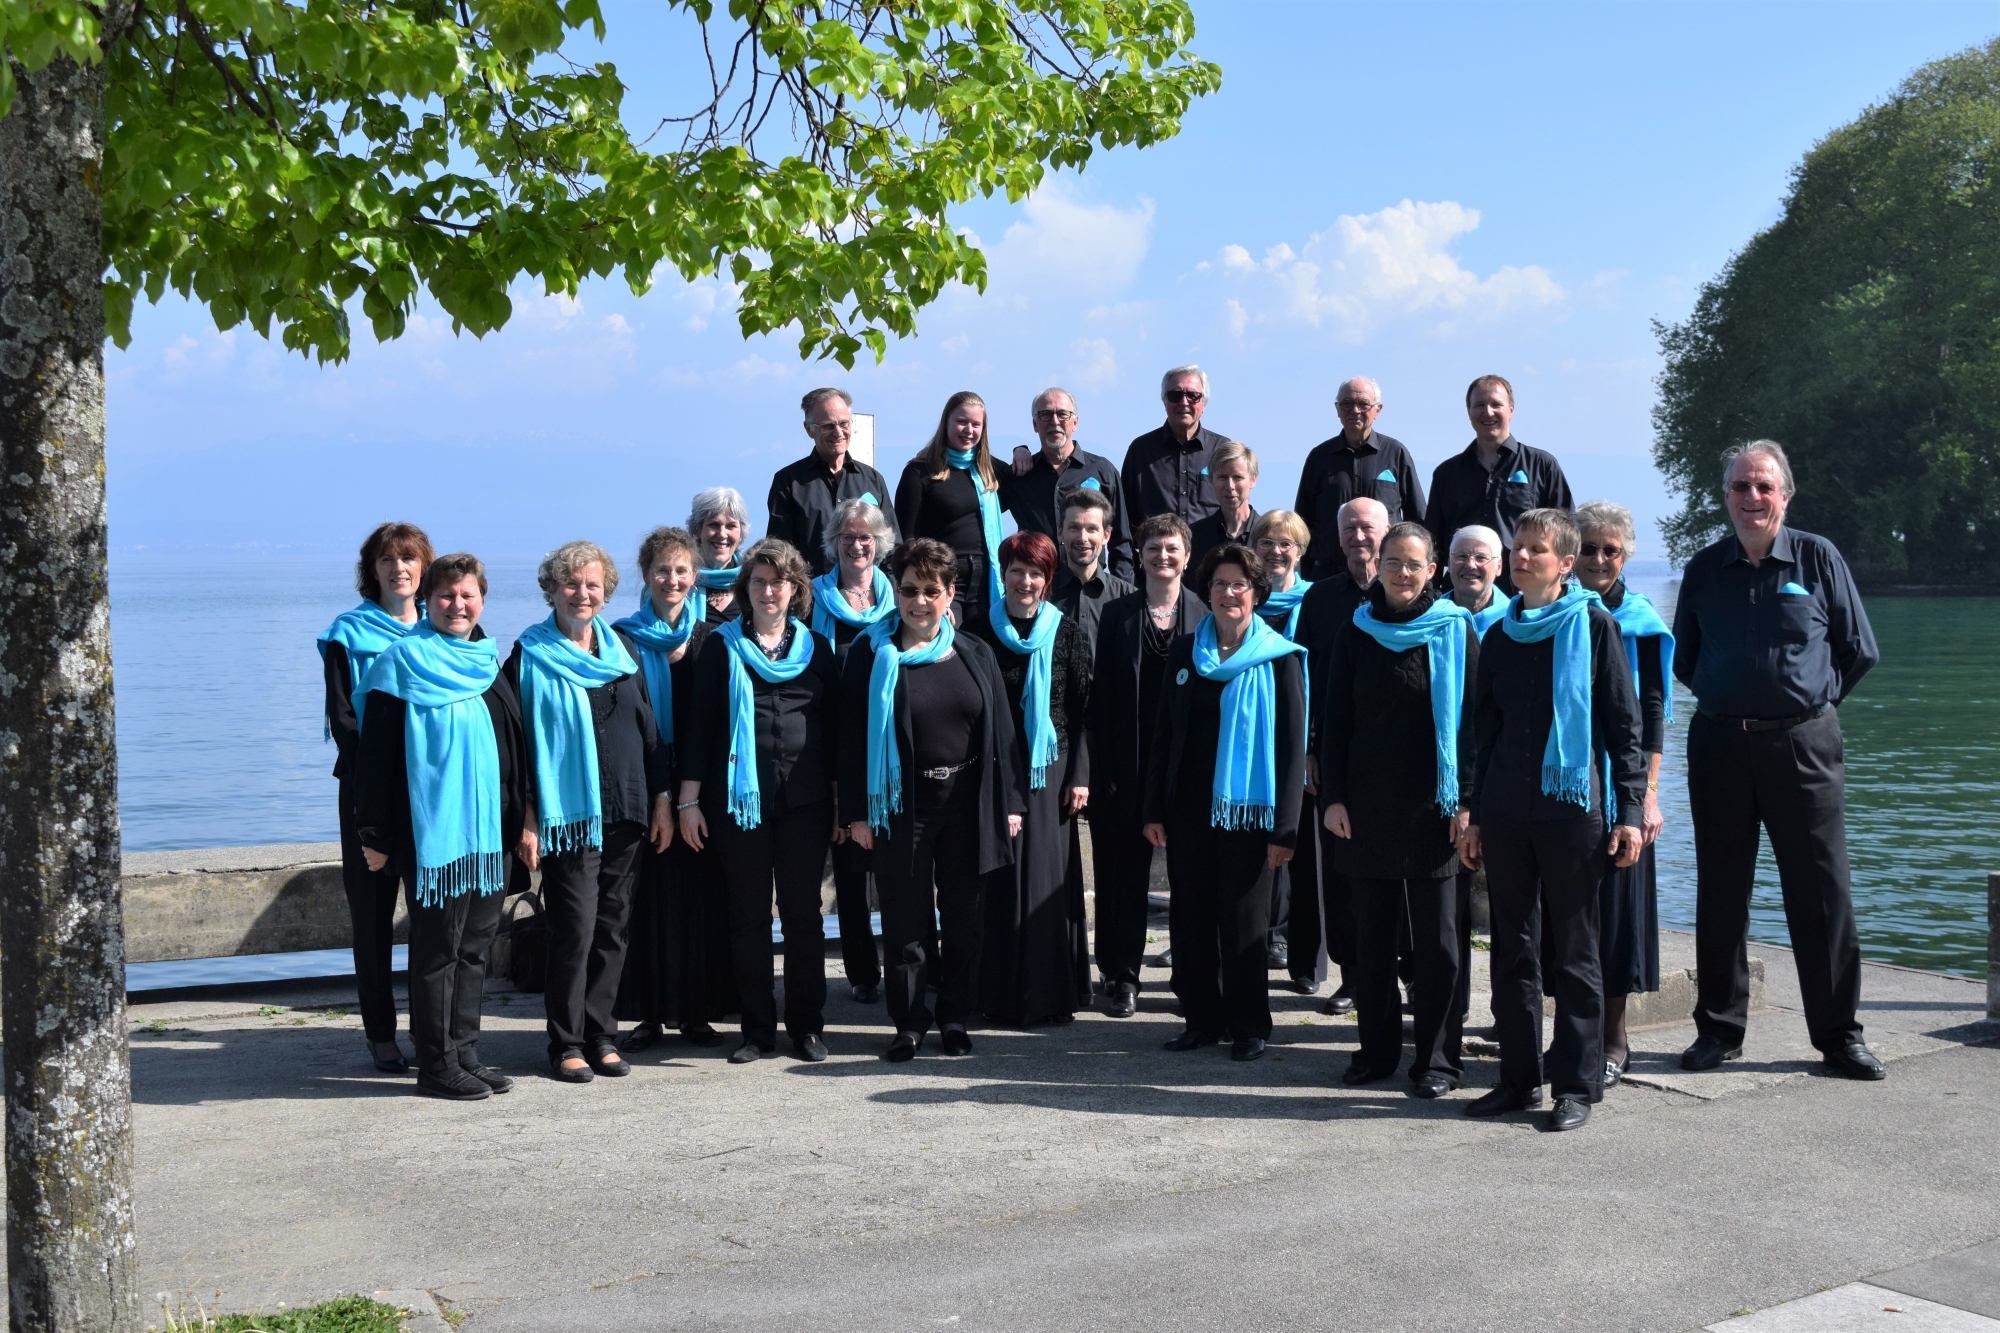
column 949, row 492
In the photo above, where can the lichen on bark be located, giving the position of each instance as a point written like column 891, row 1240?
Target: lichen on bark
column 71, row 1261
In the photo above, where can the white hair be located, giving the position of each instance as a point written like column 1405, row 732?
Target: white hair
column 1361, row 504
column 717, row 500
column 1474, row 532
column 1049, row 393
column 845, row 513
column 1771, row 449
column 1373, row 387
column 1167, row 380
column 1608, row 514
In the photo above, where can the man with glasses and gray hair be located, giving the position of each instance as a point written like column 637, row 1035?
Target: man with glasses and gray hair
column 805, row 494
column 1165, row 470
column 1035, row 490
column 1770, row 635
column 1360, row 462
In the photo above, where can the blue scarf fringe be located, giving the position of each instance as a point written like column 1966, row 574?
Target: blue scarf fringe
column 556, row 678
column 475, row 872
column 1039, row 649
column 1245, row 794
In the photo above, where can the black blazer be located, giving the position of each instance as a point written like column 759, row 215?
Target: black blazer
column 1516, row 708
column 1170, row 740
column 1003, row 780
column 383, row 805
column 797, row 743
column 632, row 765
column 1325, row 613
column 1118, row 786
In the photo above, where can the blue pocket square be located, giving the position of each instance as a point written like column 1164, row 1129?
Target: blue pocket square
column 1385, row 475
column 868, row 497
column 1793, row 590
column 1519, row 477
column 1090, row 484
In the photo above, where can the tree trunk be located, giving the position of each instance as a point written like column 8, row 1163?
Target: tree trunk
column 71, row 1259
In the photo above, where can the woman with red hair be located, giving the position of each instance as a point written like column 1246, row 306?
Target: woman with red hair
column 1036, row 964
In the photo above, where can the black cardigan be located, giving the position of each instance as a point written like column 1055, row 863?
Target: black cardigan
column 632, row 766
column 797, row 735
column 1378, row 755
column 1168, row 741
column 1069, row 695
column 341, row 724
column 382, row 808
column 1114, row 721
column 1515, row 709
column 1003, row 780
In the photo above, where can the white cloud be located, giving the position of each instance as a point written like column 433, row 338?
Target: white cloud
column 1062, row 246
column 1371, row 268
column 1093, row 362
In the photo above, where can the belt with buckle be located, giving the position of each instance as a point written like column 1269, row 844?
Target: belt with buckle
column 940, row 774
column 1764, row 723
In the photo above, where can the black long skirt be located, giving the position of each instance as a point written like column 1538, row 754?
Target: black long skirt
column 1629, row 936
column 1035, row 965
column 677, row 970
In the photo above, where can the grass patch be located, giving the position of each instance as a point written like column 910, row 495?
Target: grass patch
column 348, row 1314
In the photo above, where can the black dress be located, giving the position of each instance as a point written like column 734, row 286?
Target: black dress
column 946, row 509
column 1629, row 934
column 1036, row 962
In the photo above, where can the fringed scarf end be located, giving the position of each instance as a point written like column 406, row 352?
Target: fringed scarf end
column 475, row 872
column 1567, row 784
column 1236, row 815
column 747, row 808
column 574, row 836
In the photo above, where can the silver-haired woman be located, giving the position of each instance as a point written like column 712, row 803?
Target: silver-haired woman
column 720, row 523
column 599, row 785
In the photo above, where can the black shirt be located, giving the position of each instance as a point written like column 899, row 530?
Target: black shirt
column 795, row 735
column 1381, row 469
column 946, row 509
column 1163, row 475
column 1084, row 600
column 945, row 713
column 1325, row 612
column 1464, row 494
column 632, row 765
column 1774, row 639
column 1208, row 533
column 1035, row 500
column 805, row 494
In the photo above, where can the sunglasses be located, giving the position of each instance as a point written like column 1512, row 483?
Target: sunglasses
column 1590, row 550
column 1183, row 395
column 931, row 593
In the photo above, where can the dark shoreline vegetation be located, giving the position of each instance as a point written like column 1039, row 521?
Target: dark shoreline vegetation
column 1858, row 331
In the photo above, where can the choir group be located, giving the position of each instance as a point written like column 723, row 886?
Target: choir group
column 1329, row 717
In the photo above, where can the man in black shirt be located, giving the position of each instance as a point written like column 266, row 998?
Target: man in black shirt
column 1356, row 462
column 1034, row 490
column 1083, row 583
column 1497, row 479
column 1165, row 469
column 805, row 494
column 1770, row 635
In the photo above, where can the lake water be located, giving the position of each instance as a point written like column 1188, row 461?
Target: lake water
column 224, row 748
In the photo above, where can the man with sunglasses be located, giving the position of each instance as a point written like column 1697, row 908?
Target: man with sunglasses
column 1358, row 462
column 805, row 494
column 1035, row 488
column 1165, row 470
column 1770, row 635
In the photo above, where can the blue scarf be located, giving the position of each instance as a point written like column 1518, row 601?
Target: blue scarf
column 452, row 758
column 1441, row 629
column 1040, row 650
column 1566, row 759
column 989, row 518
column 1639, row 619
column 831, row 607
column 746, row 801
column 556, row 677
column 1286, row 604
column 657, row 642
column 711, row 580
column 885, row 766
column 1246, row 775
column 366, row 633
column 1484, row 620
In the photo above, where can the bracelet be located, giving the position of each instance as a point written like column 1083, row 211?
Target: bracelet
column 1652, row 786
column 689, row 805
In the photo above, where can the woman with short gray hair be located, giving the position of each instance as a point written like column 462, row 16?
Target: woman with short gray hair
column 720, row 522
column 598, row 786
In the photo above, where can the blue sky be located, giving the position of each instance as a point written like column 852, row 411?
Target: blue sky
column 1416, row 192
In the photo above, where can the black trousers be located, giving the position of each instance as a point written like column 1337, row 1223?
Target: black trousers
column 1793, row 783
column 449, row 944
column 789, row 849
column 1382, row 907
column 857, row 928
column 933, row 909
column 371, row 903
column 1336, row 909
column 1302, row 929
column 1542, row 880
column 1122, row 862
column 1219, row 915
column 588, row 897
column 1463, row 881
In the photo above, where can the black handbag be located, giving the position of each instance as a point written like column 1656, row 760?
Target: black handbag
column 528, row 940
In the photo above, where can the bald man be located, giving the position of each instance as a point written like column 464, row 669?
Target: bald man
column 1360, row 462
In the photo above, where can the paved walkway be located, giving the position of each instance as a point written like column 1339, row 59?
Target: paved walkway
column 1070, row 1178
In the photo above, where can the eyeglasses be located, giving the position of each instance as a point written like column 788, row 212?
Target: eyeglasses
column 1474, row 558
column 834, row 428
column 929, row 593
column 857, row 539
column 1183, row 395
column 1233, row 588
column 1590, row 550
column 1405, row 566
column 1285, row 546
column 765, row 587
column 1350, row 405
column 1746, row 487
column 1047, row 415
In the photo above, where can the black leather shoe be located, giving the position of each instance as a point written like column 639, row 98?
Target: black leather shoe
column 1276, row 959
column 1305, row 986
column 954, row 1041
column 1431, row 1087
column 748, row 1053
column 639, row 1038
column 609, row 1063
column 1504, row 1099
column 1165, row 958
column 1708, row 1053
column 583, row 1075
column 1569, row 1113
column 701, row 1034
column 867, row 993
column 1340, row 1002
column 491, row 1077
column 1357, row 1074
column 1247, row 1048
column 810, row 1048
column 388, row 1057
column 903, row 1048
column 1124, row 1001
column 1614, row 1071
column 1191, row 1040
column 454, row 1085
column 1855, row 1060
